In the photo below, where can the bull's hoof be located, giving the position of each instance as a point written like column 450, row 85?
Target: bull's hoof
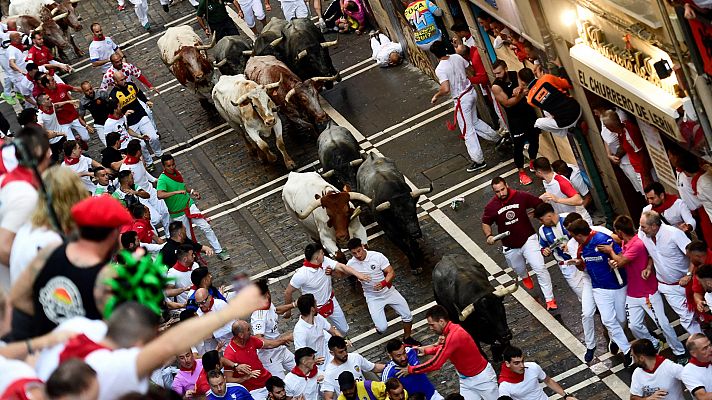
column 291, row 165
column 271, row 158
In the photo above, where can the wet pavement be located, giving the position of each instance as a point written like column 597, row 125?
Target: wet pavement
column 389, row 112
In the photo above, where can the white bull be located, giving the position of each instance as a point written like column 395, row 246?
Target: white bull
column 28, row 7
column 326, row 214
column 245, row 105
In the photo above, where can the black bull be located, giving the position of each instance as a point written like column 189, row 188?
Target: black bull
column 461, row 285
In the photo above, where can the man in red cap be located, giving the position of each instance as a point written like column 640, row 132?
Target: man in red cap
column 52, row 295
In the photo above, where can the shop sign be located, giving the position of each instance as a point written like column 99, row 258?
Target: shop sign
column 625, row 89
column 658, row 155
column 629, row 58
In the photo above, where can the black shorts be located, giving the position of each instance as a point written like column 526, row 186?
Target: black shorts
column 224, row 28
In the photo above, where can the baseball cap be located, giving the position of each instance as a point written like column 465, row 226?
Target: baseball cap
column 100, row 212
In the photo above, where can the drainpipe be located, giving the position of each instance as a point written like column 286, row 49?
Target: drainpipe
column 701, row 112
column 397, row 27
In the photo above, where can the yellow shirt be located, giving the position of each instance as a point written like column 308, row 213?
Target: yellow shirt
column 377, row 388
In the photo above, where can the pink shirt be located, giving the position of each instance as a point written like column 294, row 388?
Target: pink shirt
column 634, row 250
column 185, row 380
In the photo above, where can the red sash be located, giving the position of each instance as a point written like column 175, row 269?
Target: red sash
column 451, row 126
column 327, row 308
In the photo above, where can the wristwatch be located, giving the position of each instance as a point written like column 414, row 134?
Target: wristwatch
column 688, row 273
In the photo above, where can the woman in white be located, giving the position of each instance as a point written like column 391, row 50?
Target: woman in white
column 66, row 189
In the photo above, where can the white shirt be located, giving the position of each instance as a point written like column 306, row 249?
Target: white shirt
column 561, row 187
column 453, row 70
column 528, row 388
column 50, row 123
column 704, row 192
column 314, row 281
column 225, row 330
column 298, row 386
column 13, row 53
column 116, row 372
column 18, row 200
column 694, row 377
column 12, row 371
column 313, row 335
column 264, row 322
column 668, row 253
column 82, row 166
column 182, row 279
column 49, row 358
column 29, row 240
column 684, row 187
column 666, row 377
column 577, row 180
column 676, row 214
column 355, row 363
column 373, row 265
column 121, row 126
column 141, row 177
column 102, row 50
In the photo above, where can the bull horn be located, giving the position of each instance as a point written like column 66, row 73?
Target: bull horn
column 239, row 101
column 329, row 44
column 356, row 213
column 60, row 16
column 276, row 42
column 207, row 46
column 324, row 78
column 247, row 53
column 419, row 192
column 74, row 1
column 383, row 206
column 360, row 197
column 466, row 312
column 219, row 64
column 274, row 85
column 301, row 54
column 289, row 95
column 328, row 174
column 307, row 212
column 355, row 163
column 54, row 11
column 176, row 58
column 508, row 290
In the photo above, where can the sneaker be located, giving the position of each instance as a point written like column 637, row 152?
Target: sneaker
column 476, row 166
column 147, row 26
column 531, row 165
column 627, row 359
column 588, row 357
column 527, row 282
column 411, row 342
column 551, row 305
column 9, row 99
column 165, row 8
column 20, row 97
column 659, row 346
column 524, row 179
column 223, row 255
column 682, row 359
column 613, row 347
column 121, row 8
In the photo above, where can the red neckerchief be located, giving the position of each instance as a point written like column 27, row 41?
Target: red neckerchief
column 180, row 267
column 588, row 239
column 18, row 46
column 20, row 173
column 667, row 203
column 131, row 160
column 298, row 372
column 658, row 360
column 507, row 375
column 50, row 112
column 699, row 363
column 96, row 39
column 212, row 301
column 176, row 176
column 696, row 178
column 192, row 370
column 309, row 264
column 79, row 347
column 71, row 161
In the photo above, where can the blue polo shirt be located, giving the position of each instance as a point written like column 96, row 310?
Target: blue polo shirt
column 602, row 276
column 413, row 383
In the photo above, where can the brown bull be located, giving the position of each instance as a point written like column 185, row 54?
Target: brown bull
column 47, row 24
column 185, row 55
column 71, row 20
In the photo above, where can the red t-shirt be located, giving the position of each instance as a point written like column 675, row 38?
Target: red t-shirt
column 511, row 215
column 143, row 229
column 201, row 385
column 66, row 113
column 635, row 147
column 480, row 76
column 248, row 355
column 41, row 57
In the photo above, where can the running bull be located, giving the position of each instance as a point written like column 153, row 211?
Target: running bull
column 298, row 101
column 327, row 215
column 267, row 43
column 61, row 12
column 231, row 54
column 54, row 37
column 462, row 286
column 245, row 105
column 339, row 156
column 185, row 55
column 305, row 50
column 394, row 205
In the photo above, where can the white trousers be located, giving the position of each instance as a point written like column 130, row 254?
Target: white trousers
column 141, row 9
column 377, row 308
column 145, row 127
column 530, row 253
column 637, row 307
column 338, row 318
column 253, row 11
column 549, row 124
column 472, row 126
column 482, row 386
column 277, row 361
column 611, row 305
column 294, row 9
column 203, row 225
column 100, row 132
column 78, row 128
column 675, row 296
column 580, row 283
